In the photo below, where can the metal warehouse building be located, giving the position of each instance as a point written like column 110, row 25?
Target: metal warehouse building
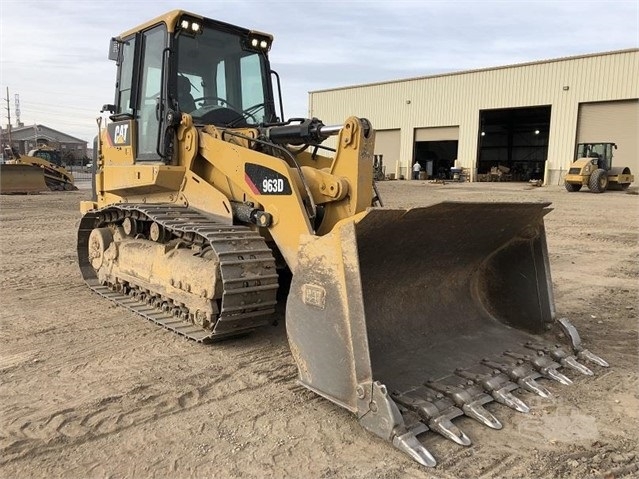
column 523, row 119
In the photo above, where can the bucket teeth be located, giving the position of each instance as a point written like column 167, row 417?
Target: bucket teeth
column 446, row 428
column 560, row 355
column 435, row 412
column 498, row 386
column 557, row 376
column 521, row 374
column 408, row 444
column 504, row 396
column 571, row 362
column 585, row 354
column 571, row 332
column 533, row 386
column 476, row 411
column 543, row 364
column 471, row 400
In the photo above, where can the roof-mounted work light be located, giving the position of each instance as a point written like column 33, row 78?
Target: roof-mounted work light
column 258, row 42
column 189, row 26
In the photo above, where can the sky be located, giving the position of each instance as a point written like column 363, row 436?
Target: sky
column 53, row 54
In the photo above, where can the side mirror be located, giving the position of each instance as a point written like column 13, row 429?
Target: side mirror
column 108, row 107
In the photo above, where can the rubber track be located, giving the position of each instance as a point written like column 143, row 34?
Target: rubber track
column 247, row 300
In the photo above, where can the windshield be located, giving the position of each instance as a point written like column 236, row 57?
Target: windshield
column 51, row 156
column 592, row 150
column 218, row 82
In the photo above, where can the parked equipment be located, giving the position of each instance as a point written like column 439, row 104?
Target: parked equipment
column 379, row 168
column 593, row 168
column 21, row 179
column 40, row 170
column 56, row 176
column 205, row 198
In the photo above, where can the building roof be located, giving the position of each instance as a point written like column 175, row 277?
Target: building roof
column 27, row 132
column 464, row 72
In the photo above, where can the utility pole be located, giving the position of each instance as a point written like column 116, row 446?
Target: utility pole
column 9, row 120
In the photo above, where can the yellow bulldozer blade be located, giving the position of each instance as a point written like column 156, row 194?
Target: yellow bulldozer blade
column 410, row 318
column 21, row 179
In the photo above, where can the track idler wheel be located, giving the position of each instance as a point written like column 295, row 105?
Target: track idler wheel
column 99, row 241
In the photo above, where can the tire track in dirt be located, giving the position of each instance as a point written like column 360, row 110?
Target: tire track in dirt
column 9, row 361
column 33, row 431
column 106, row 388
column 54, row 427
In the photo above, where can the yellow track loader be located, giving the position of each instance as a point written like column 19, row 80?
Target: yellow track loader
column 206, row 200
column 56, row 176
column 40, row 170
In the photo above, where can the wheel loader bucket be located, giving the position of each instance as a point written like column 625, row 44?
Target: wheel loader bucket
column 21, row 179
column 410, row 318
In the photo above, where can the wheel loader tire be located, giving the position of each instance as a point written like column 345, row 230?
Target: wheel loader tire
column 572, row 187
column 598, row 182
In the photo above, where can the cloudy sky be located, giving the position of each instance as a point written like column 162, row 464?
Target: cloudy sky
column 54, row 53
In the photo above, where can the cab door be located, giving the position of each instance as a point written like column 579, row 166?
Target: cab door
column 153, row 43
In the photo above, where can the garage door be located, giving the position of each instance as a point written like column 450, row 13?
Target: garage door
column 614, row 121
column 437, row 134
column 387, row 144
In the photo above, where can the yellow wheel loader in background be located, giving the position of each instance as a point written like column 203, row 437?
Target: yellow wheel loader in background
column 40, row 170
column 205, row 197
column 593, row 168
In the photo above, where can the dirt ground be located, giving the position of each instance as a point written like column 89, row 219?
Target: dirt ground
column 88, row 389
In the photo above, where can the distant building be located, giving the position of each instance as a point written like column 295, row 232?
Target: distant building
column 526, row 118
column 25, row 138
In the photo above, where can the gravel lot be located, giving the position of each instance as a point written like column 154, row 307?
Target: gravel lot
column 87, row 389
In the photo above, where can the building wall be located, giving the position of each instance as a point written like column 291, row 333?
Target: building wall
column 68, row 150
column 456, row 99
column 24, row 139
column 616, row 122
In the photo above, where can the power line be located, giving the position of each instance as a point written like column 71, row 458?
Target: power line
column 64, row 107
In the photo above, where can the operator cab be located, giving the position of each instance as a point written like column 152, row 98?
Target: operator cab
column 182, row 63
column 50, row 155
column 227, row 77
column 601, row 153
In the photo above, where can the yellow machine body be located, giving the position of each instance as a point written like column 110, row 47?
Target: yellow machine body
column 204, row 208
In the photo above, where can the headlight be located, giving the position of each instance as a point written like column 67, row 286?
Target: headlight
column 189, row 26
column 258, row 41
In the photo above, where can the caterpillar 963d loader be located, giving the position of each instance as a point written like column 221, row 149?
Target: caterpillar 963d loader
column 205, row 198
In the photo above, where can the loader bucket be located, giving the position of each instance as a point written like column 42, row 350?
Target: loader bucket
column 409, row 318
column 21, row 179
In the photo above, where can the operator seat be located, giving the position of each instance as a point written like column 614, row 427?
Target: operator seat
column 185, row 99
column 598, row 159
